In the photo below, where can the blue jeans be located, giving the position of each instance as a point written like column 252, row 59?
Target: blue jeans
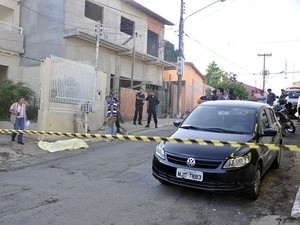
column 19, row 125
column 111, row 129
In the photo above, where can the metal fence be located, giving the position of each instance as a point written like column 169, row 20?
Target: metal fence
column 72, row 82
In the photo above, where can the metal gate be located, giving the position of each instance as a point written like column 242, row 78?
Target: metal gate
column 72, row 82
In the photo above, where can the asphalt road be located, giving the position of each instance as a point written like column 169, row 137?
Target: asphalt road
column 111, row 183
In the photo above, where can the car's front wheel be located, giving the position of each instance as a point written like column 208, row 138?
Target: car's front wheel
column 256, row 183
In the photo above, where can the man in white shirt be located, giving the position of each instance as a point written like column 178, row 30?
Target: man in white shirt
column 261, row 97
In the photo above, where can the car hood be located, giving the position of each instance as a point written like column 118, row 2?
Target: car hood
column 205, row 151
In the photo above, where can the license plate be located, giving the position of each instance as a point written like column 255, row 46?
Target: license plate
column 189, row 174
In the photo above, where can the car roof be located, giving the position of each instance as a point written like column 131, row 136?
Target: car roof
column 293, row 89
column 236, row 103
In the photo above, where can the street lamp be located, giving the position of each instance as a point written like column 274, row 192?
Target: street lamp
column 180, row 58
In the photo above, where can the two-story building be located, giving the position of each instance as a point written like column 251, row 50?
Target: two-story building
column 77, row 52
column 11, row 40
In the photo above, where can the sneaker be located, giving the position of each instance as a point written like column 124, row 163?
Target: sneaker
column 155, row 126
column 21, row 143
column 140, row 124
column 134, row 123
column 147, row 126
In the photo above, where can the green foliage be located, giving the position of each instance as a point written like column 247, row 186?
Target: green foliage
column 213, row 75
column 9, row 92
column 170, row 54
column 216, row 78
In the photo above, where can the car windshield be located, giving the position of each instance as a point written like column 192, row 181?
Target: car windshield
column 221, row 119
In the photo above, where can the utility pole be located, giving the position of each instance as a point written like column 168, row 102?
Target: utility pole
column 264, row 68
column 180, row 60
column 98, row 33
column 133, row 59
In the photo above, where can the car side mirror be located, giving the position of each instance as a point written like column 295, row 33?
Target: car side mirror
column 177, row 123
column 269, row 132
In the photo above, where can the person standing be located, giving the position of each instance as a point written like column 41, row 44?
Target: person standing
column 118, row 126
column 214, row 95
column 282, row 98
column 261, row 97
column 111, row 115
column 252, row 97
column 225, row 95
column 139, row 103
column 270, row 97
column 152, row 103
column 231, row 95
column 220, row 94
column 206, row 97
column 17, row 117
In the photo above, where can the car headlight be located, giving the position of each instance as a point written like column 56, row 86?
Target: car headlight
column 160, row 150
column 238, row 161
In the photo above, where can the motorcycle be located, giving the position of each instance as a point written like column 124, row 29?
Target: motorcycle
column 282, row 113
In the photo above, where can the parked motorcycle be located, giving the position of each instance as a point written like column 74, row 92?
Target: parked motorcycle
column 282, row 112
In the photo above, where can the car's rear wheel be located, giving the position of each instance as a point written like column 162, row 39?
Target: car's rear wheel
column 256, row 183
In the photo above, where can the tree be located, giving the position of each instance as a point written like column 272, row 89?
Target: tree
column 216, row 77
column 213, row 74
column 9, row 92
column 170, row 54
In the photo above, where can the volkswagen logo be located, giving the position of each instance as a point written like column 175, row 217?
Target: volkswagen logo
column 190, row 162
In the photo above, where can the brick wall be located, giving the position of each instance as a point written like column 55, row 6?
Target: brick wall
column 127, row 104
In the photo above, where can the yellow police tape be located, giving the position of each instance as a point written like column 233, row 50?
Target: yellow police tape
column 157, row 139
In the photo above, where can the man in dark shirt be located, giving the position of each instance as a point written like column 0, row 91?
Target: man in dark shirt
column 152, row 103
column 139, row 102
column 207, row 97
column 270, row 97
column 282, row 97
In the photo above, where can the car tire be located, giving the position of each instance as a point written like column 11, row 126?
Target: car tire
column 276, row 162
column 256, row 183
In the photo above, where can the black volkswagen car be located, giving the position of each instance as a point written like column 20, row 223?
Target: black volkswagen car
column 221, row 167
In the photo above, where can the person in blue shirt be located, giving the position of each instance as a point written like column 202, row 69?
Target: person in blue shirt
column 270, row 97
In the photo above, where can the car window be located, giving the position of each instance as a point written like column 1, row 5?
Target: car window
column 264, row 121
column 293, row 94
column 272, row 116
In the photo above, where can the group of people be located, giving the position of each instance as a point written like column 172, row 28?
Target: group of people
column 269, row 98
column 217, row 94
column 19, row 117
column 112, row 113
column 221, row 94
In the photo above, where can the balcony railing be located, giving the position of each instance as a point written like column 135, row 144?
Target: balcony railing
column 10, row 27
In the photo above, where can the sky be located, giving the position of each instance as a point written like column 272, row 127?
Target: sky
column 234, row 32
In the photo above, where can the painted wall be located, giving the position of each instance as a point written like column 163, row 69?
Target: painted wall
column 192, row 88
